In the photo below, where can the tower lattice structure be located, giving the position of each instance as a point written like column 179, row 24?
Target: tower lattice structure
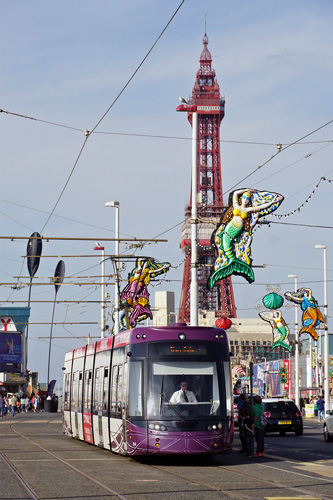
column 210, row 109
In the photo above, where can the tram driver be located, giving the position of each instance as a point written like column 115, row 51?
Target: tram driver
column 183, row 395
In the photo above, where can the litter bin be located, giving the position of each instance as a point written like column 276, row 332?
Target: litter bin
column 51, row 405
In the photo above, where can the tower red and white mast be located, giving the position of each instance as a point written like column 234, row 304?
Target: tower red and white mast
column 209, row 106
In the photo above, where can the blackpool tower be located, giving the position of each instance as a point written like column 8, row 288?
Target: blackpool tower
column 209, row 105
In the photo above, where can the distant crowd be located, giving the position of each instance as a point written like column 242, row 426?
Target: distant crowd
column 20, row 404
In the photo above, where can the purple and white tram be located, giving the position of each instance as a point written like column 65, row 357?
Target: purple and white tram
column 117, row 392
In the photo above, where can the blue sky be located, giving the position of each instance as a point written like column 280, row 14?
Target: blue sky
column 66, row 62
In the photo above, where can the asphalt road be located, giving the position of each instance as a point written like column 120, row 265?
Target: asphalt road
column 38, row 461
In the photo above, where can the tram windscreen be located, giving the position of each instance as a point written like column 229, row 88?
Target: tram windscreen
column 186, row 390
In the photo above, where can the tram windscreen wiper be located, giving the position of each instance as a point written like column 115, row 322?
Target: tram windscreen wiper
column 172, row 406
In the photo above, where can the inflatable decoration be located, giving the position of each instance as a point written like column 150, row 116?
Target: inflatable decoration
column 233, row 237
column 279, row 328
column 273, row 301
column 224, row 323
column 135, row 296
column 312, row 317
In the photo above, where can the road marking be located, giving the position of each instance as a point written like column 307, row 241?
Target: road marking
column 293, row 498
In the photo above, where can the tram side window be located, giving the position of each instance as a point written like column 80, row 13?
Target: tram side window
column 117, row 390
column 96, row 387
column 87, row 391
column 80, row 393
column 228, row 388
column 75, row 390
column 105, row 390
column 67, row 391
column 135, row 390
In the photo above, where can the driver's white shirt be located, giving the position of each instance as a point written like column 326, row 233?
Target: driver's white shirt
column 178, row 397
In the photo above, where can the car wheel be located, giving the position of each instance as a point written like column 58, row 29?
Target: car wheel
column 299, row 432
column 282, row 433
column 327, row 436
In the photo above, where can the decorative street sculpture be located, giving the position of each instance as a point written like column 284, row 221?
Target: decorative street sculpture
column 233, row 237
column 135, row 295
column 312, row 316
column 274, row 317
column 279, row 328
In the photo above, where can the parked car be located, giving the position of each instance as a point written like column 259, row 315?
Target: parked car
column 328, row 427
column 282, row 416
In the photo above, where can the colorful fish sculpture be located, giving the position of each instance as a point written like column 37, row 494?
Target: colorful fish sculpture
column 312, row 316
column 279, row 328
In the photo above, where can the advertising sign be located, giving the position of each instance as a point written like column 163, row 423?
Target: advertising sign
column 10, row 347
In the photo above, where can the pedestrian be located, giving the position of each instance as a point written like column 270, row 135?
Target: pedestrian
column 243, row 406
column 259, row 429
column 321, row 408
column 23, row 403
column 5, row 399
column 2, row 406
column 248, row 433
column 14, row 405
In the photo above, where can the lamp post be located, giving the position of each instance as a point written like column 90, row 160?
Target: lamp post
column 326, row 374
column 296, row 346
column 99, row 247
column 115, row 204
column 190, row 108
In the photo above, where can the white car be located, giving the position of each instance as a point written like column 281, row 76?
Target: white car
column 328, row 426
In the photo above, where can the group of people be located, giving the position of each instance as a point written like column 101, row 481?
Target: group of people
column 250, row 425
column 19, row 404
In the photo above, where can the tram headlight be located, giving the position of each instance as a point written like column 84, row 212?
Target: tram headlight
column 214, row 427
column 216, row 336
column 209, row 428
column 182, row 336
column 137, row 335
column 219, row 425
column 144, row 336
column 151, row 426
column 163, row 428
column 157, row 427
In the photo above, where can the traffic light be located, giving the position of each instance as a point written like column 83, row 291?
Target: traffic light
column 283, row 375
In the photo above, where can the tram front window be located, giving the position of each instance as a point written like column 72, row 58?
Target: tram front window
column 183, row 390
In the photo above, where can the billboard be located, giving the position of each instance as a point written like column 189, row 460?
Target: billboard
column 10, row 348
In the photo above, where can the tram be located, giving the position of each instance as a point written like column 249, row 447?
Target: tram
column 118, row 392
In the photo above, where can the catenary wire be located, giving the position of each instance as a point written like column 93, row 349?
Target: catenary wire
column 87, row 133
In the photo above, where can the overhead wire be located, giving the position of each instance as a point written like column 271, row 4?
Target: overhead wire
column 88, row 133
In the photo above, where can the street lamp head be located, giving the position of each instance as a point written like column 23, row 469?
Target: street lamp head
column 112, row 204
column 322, row 247
column 292, row 275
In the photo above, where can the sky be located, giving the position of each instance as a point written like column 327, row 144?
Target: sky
column 64, row 64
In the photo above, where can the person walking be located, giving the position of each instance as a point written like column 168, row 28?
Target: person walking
column 2, row 406
column 321, row 408
column 14, row 405
column 259, row 430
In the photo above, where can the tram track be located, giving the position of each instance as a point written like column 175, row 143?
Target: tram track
column 240, row 476
column 28, row 487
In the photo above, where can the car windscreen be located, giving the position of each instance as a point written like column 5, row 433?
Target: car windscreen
column 279, row 407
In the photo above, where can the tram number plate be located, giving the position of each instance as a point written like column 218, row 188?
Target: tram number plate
column 284, row 422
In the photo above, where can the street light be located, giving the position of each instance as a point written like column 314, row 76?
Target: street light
column 326, row 374
column 99, row 247
column 296, row 346
column 190, row 108
column 115, row 204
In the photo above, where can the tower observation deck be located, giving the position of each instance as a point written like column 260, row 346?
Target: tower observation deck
column 210, row 109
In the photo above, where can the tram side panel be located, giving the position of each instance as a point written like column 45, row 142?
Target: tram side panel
column 101, row 386
column 87, row 394
column 67, row 393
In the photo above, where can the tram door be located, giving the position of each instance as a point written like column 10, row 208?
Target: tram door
column 100, row 407
column 118, row 434
column 79, row 420
column 74, row 404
